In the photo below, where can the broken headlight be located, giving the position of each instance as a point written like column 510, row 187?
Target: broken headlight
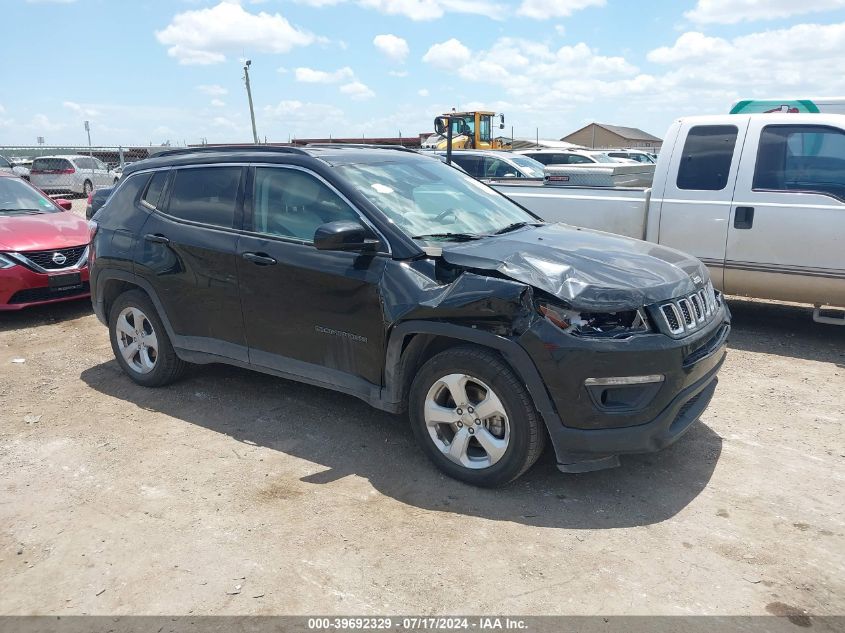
column 596, row 324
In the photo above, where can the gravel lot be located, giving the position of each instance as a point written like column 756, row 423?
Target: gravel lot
column 237, row 493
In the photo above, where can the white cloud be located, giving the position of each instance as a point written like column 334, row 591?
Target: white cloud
column 217, row 103
column 357, row 91
column 299, row 118
column 204, row 36
column 42, row 123
column 755, row 64
column 734, row 11
column 80, row 110
column 546, row 9
column 420, row 10
column 311, row 76
column 422, row 92
column 394, row 47
column 448, row 54
column 398, row 73
column 213, row 90
column 690, row 45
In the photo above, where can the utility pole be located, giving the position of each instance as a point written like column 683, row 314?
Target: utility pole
column 249, row 96
column 90, row 152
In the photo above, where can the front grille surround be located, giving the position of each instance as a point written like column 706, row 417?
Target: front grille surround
column 42, row 261
column 689, row 313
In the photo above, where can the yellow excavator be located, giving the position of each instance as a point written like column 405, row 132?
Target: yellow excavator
column 466, row 130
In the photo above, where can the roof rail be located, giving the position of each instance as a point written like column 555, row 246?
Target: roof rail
column 399, row 148
column 227, row 148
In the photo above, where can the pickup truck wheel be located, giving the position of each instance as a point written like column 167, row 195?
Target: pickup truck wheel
column 474, row 418
column 140, row 342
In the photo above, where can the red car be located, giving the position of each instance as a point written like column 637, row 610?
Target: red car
column 43, row 247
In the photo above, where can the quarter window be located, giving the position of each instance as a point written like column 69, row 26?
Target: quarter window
column 206, row 194
column 291, row 203
column 151, row 197
column 706, row 159
column 808, row 158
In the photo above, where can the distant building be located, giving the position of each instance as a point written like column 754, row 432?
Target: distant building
column 600, row 135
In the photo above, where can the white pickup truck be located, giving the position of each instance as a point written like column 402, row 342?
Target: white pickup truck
column 759, row 198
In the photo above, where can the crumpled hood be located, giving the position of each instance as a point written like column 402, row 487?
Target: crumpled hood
column 589, row 270
column 42, row 232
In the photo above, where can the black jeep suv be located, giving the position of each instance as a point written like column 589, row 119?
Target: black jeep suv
column 393, row 277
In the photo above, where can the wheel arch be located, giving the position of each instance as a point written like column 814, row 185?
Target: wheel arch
column 412, row 343
column 113, row 283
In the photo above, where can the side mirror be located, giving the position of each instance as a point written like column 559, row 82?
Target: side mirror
column 64, row 204
column 501, row 121
column 344, row 236
column 441, row 125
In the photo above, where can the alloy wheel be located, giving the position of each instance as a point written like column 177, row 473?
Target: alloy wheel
column 467, row 421
column 137, row 340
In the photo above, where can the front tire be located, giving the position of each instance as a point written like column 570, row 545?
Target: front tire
column 474, row 418
column 140, row 342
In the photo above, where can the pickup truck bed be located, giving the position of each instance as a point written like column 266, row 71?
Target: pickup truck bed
column 620, row 210
column 759, row 198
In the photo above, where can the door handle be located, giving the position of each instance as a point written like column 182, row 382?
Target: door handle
column 259, row 258
column 158, row 239
column 744, row 218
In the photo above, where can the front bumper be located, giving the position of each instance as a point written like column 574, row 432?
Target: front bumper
column 594, row 431
column 21, row 287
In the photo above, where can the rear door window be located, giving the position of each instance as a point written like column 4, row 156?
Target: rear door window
column 83, row 162
column 206, row 194
column 574, row 159
column 707, row 156
column 469, row 163
column 806, row 158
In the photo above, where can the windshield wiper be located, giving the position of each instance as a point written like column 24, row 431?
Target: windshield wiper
column 514, row 227
column 458, row 237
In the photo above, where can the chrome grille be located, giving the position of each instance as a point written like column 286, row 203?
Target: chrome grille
column 687, row 314
column 54, row 260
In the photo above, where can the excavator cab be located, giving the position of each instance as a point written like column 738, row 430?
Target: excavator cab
column 470, row 130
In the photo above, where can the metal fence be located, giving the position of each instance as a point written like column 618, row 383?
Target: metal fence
column 71, row 171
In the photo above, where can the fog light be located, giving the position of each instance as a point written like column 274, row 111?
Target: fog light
column 624, row 380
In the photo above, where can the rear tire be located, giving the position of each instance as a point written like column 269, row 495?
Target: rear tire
column 140, row 342
column 474, row 418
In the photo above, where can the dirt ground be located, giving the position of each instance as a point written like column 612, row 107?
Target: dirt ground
column 237, row 493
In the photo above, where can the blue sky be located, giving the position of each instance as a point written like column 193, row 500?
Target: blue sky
column 149, row 71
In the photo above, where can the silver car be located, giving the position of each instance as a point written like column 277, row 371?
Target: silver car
column 70, row 174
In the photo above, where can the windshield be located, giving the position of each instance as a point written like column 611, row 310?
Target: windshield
column 426, row 197
column 19, row 198
column 530, row 167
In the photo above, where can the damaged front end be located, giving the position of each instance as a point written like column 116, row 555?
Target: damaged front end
column 581, row 326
